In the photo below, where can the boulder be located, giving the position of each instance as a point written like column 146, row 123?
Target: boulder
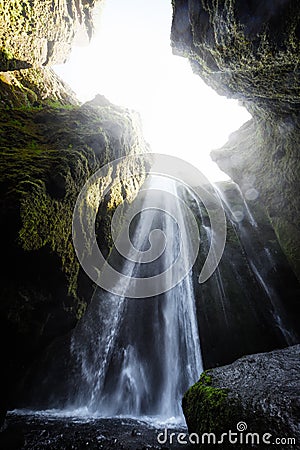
column 258, row 395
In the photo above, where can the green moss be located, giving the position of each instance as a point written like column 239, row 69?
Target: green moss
column 48, row 222
column 7, row 61
column 58, row 104
column 6, row 54
column 205, row 406
column 81, row 308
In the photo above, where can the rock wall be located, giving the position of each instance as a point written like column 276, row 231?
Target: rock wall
column 246, row 50
column 34, row 36
column 34, row 88
column 250, row 51
column 263, row 158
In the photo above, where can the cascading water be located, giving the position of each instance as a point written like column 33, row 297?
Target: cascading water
column 138, row 356
column 262, row 263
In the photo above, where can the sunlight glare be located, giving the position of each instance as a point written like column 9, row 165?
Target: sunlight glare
column 130, row 62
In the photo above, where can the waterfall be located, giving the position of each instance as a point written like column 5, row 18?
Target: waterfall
column 138, row 356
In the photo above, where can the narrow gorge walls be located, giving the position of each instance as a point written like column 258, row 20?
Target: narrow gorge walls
column 51, row 144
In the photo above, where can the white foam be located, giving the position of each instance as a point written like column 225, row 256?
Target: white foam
column 84, row 415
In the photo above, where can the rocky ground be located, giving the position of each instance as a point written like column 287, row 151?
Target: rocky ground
column 41, row 433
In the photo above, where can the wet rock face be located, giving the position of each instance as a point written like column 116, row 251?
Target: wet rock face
column 35, row 32
column 250, row 304
column 250, row 51
column 49, row 147
column 260, row 390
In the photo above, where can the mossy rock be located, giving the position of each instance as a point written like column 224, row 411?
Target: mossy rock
column 205, row 406
column 34, row 88
column 245, row 50
column 256, row 395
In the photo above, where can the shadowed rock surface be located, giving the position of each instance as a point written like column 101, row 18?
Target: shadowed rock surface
column 263, row 158
column 246, row 50
column 33, row 432
column 250, row 304
column 50, row 145
column 249, row 50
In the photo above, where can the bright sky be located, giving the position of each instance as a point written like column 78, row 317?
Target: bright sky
column 130, row 62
